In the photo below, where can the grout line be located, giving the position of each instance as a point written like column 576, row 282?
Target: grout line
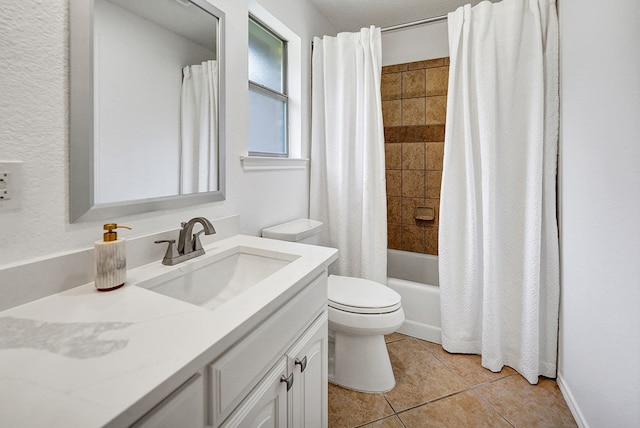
column 401, row 421
column 395, row 412
column 493, row 380
column 377, row 420
column 395, row 340
column 481, row 397
column 431, row 401
column 489, row 381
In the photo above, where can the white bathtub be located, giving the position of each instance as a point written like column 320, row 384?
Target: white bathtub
column 415, row 277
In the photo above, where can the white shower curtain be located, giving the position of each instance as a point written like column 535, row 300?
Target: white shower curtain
column 348, row 190
column 199, row 128
column 498, row 239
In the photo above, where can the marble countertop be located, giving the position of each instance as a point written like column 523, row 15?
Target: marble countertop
column 84, row 358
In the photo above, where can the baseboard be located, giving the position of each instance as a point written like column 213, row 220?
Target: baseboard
column 421, row 331
column 571, row 402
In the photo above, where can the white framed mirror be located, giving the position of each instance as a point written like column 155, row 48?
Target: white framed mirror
column 146, row 91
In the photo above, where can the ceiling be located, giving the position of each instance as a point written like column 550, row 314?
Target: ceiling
column 351, row 15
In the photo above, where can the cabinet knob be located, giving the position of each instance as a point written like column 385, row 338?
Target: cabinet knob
column 288, row 380
column 303, row 363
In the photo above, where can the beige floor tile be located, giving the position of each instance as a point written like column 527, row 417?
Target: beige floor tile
column 420, row 377
column 390, row 422
column 348, row 409
column 394, row 337
column 428, row 393
column 526, row 405
column 460, row 410
column 468, row 367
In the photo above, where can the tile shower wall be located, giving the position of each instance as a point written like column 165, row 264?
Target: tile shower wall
column 414, row 105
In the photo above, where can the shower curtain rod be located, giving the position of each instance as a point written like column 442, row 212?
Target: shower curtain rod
column 409, row 24
column 415, row 23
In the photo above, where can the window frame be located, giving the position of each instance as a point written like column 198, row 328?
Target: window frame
column 271, row 93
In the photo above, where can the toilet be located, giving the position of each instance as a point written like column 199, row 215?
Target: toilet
column 361, row 312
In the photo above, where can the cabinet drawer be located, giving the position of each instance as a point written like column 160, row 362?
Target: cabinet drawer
column 234, row 373
column 184, row 407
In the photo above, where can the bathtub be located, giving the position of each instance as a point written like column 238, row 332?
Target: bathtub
column 415, row 277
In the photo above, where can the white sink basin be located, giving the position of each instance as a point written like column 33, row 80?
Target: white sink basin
column 211, row 281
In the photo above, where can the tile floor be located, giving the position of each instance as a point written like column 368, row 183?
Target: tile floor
column 438, row 389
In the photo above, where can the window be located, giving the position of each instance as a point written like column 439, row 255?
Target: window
column 268, row 128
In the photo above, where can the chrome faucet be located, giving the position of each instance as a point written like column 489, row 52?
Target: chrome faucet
column 189, row 245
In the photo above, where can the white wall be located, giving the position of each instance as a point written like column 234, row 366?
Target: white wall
column 278, row 196
column 34, row 82
column 600, row 211
column 415, row 43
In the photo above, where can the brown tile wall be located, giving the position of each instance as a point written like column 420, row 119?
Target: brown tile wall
column 414, row 106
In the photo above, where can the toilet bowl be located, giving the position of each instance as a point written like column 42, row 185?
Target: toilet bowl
column 361, row 312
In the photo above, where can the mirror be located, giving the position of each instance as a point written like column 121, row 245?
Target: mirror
column 146, row 87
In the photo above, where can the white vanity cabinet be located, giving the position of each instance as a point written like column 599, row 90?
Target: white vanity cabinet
column 293, row 393
column 277, row 375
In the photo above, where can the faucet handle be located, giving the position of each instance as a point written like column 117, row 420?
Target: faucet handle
column 197, row 245
column 171, row 253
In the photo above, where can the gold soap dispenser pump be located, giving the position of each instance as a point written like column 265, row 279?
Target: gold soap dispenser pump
column 110, row 259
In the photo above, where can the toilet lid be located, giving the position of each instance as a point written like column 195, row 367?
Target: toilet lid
column 361, row 296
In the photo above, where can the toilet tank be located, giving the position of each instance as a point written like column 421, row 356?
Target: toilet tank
column 303, row 230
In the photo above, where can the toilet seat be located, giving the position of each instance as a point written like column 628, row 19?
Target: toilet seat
column 361, row 296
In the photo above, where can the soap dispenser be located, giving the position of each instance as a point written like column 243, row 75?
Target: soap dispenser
column 110, row 259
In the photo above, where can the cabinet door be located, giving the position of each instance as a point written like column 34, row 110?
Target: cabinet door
column 266, row 405
column 307, row 360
